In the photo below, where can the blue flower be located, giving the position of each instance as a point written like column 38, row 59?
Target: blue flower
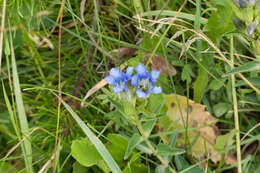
column 145, row 82
column 251, row 28
column 119, row 79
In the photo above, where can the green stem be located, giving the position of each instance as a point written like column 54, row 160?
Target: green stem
column 236, row 118
column 140, row 128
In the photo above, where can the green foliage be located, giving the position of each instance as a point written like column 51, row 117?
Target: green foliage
column 106, row 129
column 220, row 22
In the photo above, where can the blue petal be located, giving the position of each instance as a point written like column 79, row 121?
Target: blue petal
column 125, row 87
column 157, row 90
column 141, row 94
column 251, row 28
column 134, row 80
column 110, row 80
column 251, row 2
column 140, row 69
column 155, row 74
column 129, row 72
column 115, row 73
column 117, row 89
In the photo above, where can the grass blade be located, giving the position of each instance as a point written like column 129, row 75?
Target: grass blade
column 21, row 112
column 96, row 142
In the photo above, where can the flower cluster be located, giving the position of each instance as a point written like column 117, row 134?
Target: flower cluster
column 247, row 12
column 142, row 82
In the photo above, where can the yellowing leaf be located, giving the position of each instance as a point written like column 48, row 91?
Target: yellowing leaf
column 206, row 133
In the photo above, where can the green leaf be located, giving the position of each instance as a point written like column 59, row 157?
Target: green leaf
column 216, row 84
column 94, row 140
column 135, row 165
column 162, row 169
column 85, row 152
column 7, row 167
column 250, row 66
column 224, row 141
column 78, row 168
column 200, row 85
column 148, row 126
column 166, row 150
column 26, row 146
column 117, row 146
column 133, row 142
column 255, row 81
column 156, row 104
column 173, row 139
column 221, row 108
column 220, row 22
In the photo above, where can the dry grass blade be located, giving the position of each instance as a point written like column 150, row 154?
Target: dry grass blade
column 217, row 50
column 188, row 44
column 98, row 86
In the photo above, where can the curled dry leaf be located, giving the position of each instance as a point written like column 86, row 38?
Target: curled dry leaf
column 198, row 117
column 159, row 63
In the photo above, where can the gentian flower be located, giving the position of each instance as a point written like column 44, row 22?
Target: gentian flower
column 251, row 28
column 119, row 79
column 238, row 24
column 145, row 82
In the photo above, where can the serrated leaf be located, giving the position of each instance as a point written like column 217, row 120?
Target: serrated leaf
column 250, row 66
column 133, row 142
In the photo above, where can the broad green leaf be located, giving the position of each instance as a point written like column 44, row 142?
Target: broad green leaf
column 220, row 22
column 85, row 152
column 250, row 66
column 117, row 146
column 221, row 108
column 133, row 142
column 78, row 168
column 166, row 150
column 94, row 140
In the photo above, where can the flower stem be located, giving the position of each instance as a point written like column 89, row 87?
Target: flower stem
column 140, row 128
